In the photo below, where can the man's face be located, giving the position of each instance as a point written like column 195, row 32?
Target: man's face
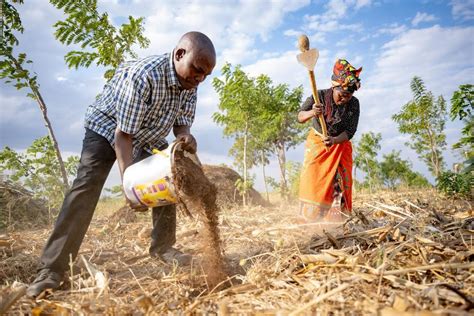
column 192, row 68
column 341, row 96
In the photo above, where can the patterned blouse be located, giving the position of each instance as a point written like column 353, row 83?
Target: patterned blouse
column 339, row 118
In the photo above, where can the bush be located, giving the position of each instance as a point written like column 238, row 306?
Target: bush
column 455, row 184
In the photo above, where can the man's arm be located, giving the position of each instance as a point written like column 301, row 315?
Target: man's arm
column 124, row 153
column 123, row 150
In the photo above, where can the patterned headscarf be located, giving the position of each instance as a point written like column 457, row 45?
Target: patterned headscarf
column 345, row 76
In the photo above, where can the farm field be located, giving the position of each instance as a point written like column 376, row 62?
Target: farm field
column 399, row 253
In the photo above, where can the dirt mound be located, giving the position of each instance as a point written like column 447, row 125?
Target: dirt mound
column 224, row 179
column 19, row 208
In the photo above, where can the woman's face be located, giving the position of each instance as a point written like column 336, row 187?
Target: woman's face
column 341, row 96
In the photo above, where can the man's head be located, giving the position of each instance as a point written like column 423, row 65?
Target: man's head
column 194, row 58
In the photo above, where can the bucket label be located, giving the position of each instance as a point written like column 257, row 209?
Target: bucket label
column 155, row 193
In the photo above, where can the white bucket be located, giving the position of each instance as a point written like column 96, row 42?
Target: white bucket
column 149, row 181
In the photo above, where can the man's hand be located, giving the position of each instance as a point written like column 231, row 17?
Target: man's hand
column 189, row 142
column 136, row 207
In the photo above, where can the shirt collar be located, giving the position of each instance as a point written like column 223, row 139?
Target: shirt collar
column 172, row 76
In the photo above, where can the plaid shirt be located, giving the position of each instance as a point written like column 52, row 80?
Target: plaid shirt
column 144, row 99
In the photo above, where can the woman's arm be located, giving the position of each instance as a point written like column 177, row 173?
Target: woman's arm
column 331, row 140
column 304, row 116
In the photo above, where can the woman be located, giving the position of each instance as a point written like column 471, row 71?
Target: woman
column 326, row 177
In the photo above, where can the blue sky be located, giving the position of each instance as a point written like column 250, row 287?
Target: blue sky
column 392, row 40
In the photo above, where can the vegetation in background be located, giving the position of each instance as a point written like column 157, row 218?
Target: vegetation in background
column 462, row 108
column 100, row 42
column 261, row 119
column 461, row 181
column 455, row 184
column 366, row 158
column 38, row 170
column 14, row 69
column 395, row 171
column 423, row 119
column 293, row 173
column 238, row 107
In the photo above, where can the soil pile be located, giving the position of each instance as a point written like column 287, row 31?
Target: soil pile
column 18, row 207
column 199, row 194
column 224, row 179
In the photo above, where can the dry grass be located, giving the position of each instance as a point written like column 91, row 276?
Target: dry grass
column 400, row 253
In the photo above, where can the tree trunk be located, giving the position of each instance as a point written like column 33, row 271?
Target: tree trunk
column 264, row 176
column 48, row 125
column 370, row 175
column 282, row 162
column 434, row 154
column 244, row 196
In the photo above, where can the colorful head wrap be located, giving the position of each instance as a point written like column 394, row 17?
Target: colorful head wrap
column 344, row 75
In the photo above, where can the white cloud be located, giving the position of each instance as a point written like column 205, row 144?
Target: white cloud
column 392, row 29
column 422, row 17
column 17, row 107
column 414, row 53
column 462, row 9
column 234, row 27
column 363, row 3
column 285, row 69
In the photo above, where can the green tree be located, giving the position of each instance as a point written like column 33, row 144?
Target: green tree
column 38, row 170
column 14, row 69
column 280, row 130
column 462, row 108
column 108, row 46
column 423, row 119
column 366, row 157
column 396, row 171
column 238, row 107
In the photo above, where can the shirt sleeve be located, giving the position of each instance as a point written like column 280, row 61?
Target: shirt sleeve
column 131, row 106
column 307, row 104
column 353, row 119
column 187, row 110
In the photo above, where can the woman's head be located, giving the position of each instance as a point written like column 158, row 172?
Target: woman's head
column 345, row 78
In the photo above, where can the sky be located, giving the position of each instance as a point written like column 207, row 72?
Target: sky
column 393, row 40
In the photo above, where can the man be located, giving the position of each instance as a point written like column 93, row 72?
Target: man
column 139, row 106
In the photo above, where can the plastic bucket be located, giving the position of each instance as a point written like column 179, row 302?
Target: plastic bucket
column 149, row 181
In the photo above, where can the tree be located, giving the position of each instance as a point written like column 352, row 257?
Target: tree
column 38, row 170
column 108, row 45
column 280, row 131
column 396, row 171
column 14, row 68
column 237, row 114
column 462, row 108
column 423, row 119
column 366, row 157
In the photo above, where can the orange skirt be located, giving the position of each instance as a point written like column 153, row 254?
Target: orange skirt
column 321, row 168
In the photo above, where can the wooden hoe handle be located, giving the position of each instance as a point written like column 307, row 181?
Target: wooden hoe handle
column 303, row 43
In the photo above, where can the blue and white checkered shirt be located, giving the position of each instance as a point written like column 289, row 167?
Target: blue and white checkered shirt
column 144, row 98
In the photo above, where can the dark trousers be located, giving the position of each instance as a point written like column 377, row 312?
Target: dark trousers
column 97, row 158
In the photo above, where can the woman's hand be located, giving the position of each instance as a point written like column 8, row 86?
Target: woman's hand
column 317, row 110
column 329, row 140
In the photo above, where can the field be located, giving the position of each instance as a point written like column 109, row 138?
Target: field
column 400, row 253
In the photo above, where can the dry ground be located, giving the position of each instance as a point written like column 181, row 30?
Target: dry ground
column 400, row 253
